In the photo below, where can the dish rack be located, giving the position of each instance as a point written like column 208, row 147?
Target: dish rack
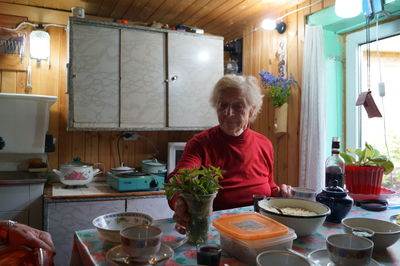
column 14, row 45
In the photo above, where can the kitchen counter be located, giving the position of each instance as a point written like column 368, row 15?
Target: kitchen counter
column 58, row 191
column 71, row 209
column 20, row 177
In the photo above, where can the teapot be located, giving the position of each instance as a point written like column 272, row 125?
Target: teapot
column 338, row 200
column 76, row 172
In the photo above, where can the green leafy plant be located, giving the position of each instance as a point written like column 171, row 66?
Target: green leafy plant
column 369, row 156
column 194, row 181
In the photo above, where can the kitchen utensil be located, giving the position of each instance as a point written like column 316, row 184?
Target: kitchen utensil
column 109, row 225
column 76, row 172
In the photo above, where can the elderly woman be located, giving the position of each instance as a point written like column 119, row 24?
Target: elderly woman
column 245, row 155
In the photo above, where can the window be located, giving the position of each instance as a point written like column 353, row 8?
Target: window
column 359, row 128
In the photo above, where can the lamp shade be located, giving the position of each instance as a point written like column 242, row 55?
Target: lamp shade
column 39, row 45
column 348, row 8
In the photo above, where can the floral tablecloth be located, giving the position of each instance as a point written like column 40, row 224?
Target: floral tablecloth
column 90, row 249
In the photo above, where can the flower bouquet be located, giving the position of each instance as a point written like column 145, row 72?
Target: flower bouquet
column 278, row 87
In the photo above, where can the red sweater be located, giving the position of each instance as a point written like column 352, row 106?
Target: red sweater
column 247, row 160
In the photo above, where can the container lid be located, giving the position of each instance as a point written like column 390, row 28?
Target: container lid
column 153, row 162
column 76, row 162
column 250, row 226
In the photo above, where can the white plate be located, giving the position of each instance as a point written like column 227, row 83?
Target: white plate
column 321, row 257
column 115, row 256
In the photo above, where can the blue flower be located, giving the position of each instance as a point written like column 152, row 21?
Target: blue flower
column 278, row 87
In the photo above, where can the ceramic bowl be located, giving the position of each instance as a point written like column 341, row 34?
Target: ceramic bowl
column 303, row 225
column 385, row 233
column 349, row 249
column 304, row 193
column 282, row 258
column 109, row 225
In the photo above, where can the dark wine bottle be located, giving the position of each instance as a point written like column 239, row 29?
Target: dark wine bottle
column 334, row 166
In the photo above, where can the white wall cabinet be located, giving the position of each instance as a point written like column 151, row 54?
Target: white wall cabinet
column 94, row 76
column 129, row 77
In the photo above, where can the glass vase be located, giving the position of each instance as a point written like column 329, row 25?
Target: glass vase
column 199, row 209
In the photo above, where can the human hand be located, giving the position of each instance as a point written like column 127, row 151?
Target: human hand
column 21, row 234
column 181, row 215
column 285, row 190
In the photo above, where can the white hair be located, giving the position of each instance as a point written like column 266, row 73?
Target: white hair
column 247, row 85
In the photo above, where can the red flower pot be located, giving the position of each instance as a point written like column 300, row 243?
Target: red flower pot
column 363, row 179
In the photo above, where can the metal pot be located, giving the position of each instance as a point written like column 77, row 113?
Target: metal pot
column 153, row 166
column 76, row 173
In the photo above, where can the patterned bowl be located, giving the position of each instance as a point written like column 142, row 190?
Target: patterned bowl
column 109, row 225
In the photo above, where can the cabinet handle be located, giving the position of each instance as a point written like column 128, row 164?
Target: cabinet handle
column 174, row 78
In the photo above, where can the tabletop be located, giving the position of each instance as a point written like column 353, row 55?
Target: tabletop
column 90, row 249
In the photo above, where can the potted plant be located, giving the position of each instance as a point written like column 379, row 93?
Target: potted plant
column 364, row 169
column 198, row 187
column 278, row 91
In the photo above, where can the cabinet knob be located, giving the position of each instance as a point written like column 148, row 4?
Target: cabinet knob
column 174, row 78
column 166, row 80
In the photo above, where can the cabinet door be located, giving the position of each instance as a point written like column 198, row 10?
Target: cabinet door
column 67, row 217
column 195, row 64
column 143, row 90
column 95, row 76
column 155, row 206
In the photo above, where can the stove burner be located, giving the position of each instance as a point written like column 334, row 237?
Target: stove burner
column 132, row 174
column 74, row 186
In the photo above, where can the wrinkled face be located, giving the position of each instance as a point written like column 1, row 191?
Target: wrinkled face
column 233, row 112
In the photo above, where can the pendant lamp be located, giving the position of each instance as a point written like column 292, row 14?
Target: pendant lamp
column 348, row 8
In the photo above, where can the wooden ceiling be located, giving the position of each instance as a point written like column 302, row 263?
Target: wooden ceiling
column 227, row 18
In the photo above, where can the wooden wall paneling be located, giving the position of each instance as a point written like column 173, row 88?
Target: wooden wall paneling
column 58, row 124
column 217, row 16
column 121, row 8
column 199, row 14
column 91, row 147
column 8, row 82
column 191, row 12
column 104, row 149
column 78, row 145
column 148, row 9
column 316, row 7
column 174, row 14
column 106, row 8
column 134, row 9
column 115, row 162
column 328, row 3
column 21, row 82
column 293, row 101
column 12, row 63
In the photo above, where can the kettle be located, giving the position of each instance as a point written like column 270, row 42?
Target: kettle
column 338, row 200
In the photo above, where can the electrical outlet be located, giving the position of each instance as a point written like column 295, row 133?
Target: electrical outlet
column 130, row 135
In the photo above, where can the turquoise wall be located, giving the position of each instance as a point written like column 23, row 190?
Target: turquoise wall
column 333, row 27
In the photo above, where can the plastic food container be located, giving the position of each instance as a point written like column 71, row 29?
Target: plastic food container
column 248, row 234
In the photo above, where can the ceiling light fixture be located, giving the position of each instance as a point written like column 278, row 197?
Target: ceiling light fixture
column 348, row 9
column 39, row 44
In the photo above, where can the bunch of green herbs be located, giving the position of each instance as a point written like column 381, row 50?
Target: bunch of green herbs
column 194, row 181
